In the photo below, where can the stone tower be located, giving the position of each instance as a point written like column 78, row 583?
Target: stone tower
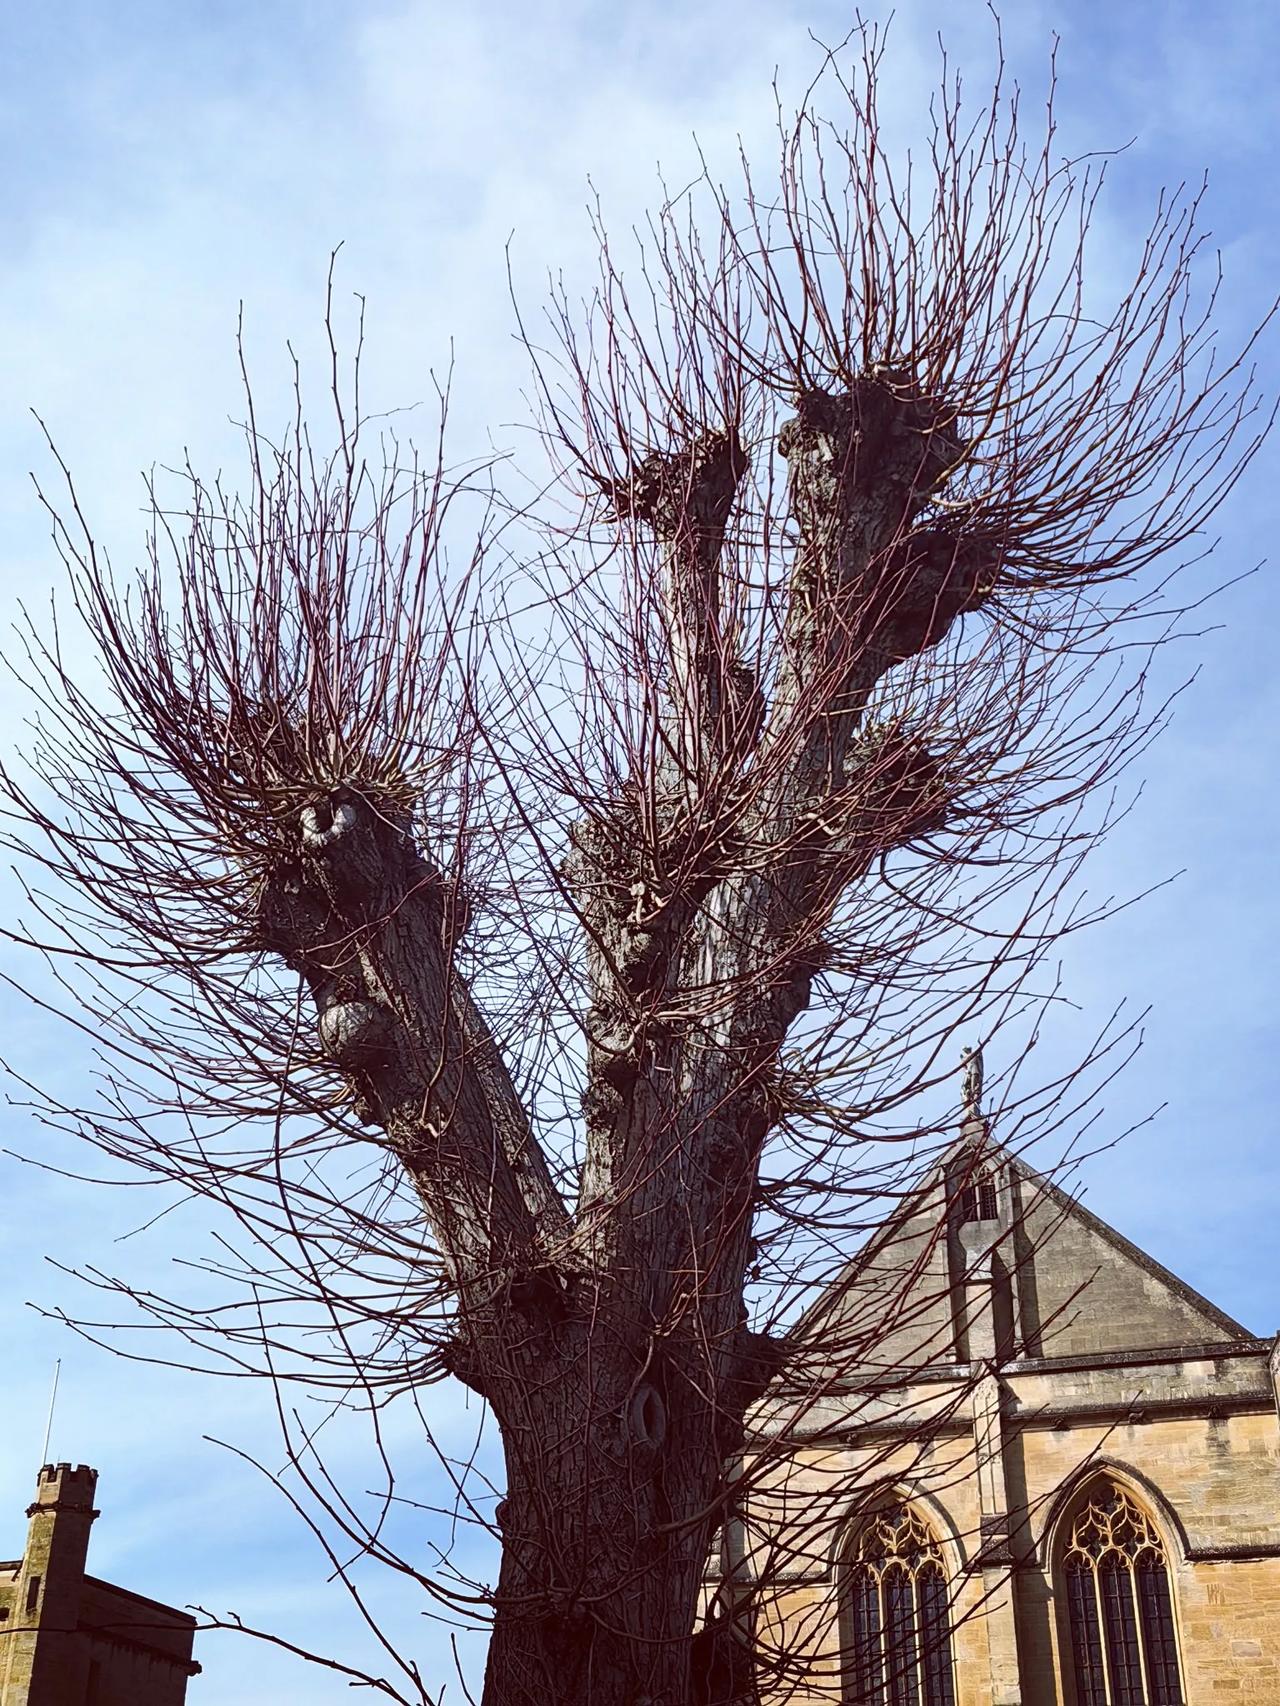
column 42, row 1660
column 67, row 1639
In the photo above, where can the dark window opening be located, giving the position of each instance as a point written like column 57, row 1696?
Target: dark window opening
column 1124, row 1648
column 979, row 1200
column 33, row 1594
column 898, row 1626
column 1086, row 1644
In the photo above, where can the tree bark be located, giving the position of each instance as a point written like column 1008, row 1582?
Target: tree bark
column 615, row 1491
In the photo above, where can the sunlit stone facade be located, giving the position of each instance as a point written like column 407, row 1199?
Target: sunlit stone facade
column 1097, row 1496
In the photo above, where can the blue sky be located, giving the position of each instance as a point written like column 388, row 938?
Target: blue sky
column 163, row 162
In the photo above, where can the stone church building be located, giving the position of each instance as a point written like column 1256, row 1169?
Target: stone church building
column 68, row 1639
column 1090, row 1517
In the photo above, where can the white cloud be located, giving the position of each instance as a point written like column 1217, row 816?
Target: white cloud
column 179, row 169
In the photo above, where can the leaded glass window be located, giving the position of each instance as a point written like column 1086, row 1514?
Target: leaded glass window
column 897, row 1615
column 1124, row 1647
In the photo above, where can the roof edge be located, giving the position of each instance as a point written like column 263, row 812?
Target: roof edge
column 1071, row 1204
column 1067, row 1201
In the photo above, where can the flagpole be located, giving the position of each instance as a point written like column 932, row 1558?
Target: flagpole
column 48, row 1427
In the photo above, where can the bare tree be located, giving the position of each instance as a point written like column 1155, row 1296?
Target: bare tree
column 546, row 963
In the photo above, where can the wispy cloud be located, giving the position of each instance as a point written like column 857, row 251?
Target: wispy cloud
column 162, row 166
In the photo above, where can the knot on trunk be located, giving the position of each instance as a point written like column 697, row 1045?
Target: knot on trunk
column 920, row 585
column 541, row 1292
column 459, row 1358
column 639, row 879
column 647, row 1419
column 356, row 1034
column 897, row 788
column 617, row 1047
column 324, row 824
column 865, row 465
column 880, row 433
column 566, row 1628
column 690, row 490
column 754, row 1364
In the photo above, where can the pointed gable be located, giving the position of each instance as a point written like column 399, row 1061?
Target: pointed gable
column 1084, row 1288
column 1066, row 1284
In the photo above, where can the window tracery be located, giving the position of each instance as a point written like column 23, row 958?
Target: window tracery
column 1124, row 1644
column 899, row 1627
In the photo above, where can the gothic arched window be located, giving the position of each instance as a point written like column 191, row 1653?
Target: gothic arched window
column 1124, row 1646
column 898, row 1626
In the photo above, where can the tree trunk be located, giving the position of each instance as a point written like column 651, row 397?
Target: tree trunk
column 615, row 1473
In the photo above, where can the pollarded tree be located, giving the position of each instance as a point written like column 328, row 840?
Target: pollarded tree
column 618, row 897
